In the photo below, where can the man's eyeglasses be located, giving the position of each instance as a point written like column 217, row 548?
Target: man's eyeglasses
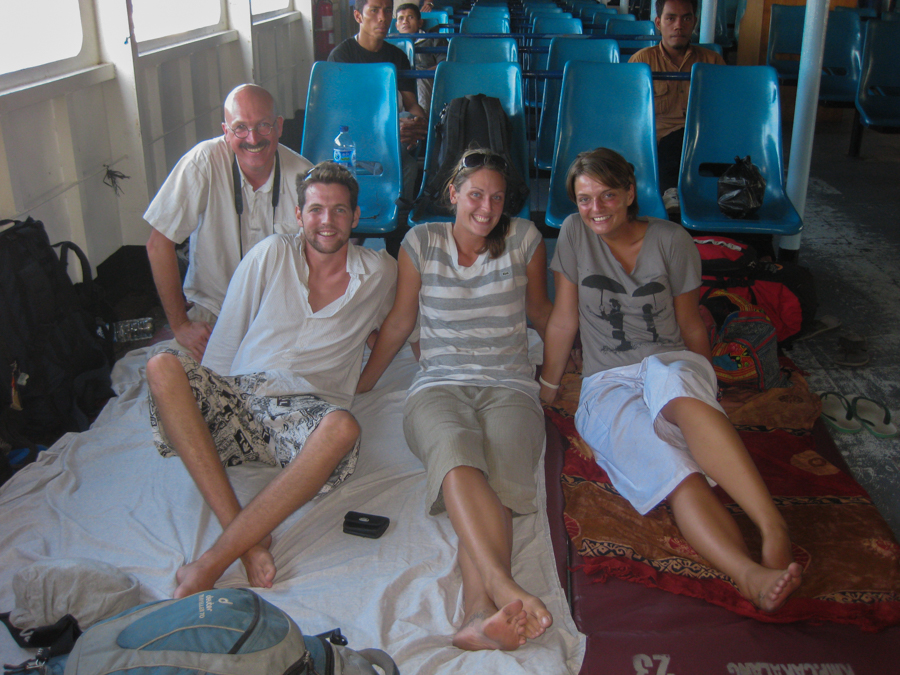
column 262, row 129
column 476, row 160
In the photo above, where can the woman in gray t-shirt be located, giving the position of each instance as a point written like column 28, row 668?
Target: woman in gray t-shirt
column 648, row 404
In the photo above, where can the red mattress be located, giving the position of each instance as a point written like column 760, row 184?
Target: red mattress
column 632, row 629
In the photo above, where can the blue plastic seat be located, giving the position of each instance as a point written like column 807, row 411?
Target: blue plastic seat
column 878, row 93
column 602, row 21
column 588, row 119
column 733, row 111
column 464, row 49
column 408, row 47
column 841, row 59
column 785, row 39
column 489, row 10
column 861, row 12
column 436, row 18
column 501, row 80
column 546, row 25
column 484, row 24
column 614, row 28
column 589, row 12
column 563, row 50
column 362, row 96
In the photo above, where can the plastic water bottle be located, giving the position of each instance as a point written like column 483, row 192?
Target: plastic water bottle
column 345, row 150
column 130, row 330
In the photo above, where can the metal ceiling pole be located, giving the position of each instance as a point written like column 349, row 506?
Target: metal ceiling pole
column 708, row 21
column 805, row 117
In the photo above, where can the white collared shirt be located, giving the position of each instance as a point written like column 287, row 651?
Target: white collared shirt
column 267, row 324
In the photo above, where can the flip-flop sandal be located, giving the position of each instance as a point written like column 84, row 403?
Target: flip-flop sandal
column 853, row 351
column 875, row 417
column 819, row 326
column 837, row 412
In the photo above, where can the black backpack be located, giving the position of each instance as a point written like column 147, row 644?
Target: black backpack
column 469, row 121
column 54, row 367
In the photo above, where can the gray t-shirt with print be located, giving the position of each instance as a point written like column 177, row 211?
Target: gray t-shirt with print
column 626, row 317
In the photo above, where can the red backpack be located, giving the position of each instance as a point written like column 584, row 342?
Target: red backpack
column 730, row 265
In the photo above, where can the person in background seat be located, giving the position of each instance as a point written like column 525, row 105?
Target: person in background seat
column 675, row 21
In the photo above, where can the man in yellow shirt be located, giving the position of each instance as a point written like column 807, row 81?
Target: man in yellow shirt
column 675, row 21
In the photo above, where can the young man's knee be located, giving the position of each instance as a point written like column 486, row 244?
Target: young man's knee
column 339, row 426
column 160, row 371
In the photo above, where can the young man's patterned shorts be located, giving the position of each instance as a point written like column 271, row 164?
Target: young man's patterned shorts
column 250, row 428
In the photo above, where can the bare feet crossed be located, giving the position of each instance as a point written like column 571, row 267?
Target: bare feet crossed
column 503, row 629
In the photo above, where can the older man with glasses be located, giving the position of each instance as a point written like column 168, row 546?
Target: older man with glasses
column 227, row 194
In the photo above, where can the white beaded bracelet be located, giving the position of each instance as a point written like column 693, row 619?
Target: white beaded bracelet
column 547, row 384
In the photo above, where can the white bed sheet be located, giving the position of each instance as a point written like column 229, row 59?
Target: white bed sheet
column 106, row 494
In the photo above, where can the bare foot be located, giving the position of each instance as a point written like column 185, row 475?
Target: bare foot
column 776, row 549
column 770, row 589
column 538, row 618
column 195, row 577
column 260, row 566
column 501, row 630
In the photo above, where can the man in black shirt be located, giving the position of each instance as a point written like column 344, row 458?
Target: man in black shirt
column 368, row 46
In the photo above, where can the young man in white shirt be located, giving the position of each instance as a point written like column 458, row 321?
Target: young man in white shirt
column 279, row 372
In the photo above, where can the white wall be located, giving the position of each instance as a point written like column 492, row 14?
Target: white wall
column 136, row 111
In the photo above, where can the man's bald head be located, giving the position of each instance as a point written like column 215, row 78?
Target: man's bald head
column 245, row 94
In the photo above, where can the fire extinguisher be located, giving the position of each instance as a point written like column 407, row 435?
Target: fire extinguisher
column 323, row 17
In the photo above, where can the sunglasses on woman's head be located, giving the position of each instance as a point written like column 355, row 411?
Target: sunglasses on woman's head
column 487, row 159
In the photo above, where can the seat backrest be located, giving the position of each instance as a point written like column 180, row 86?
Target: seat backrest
column 867, row 12
column 732, row 111
column 841, row 58
column 436, row 18
column 785, row 38
column 464, row 49
column 484, row 24
column 563, row 50
column 550, row 25
column 501, row 80
column 878, row 96
column 605, row 21
column 532, row 12
column 408, row 47
column 626, row 27
column 556, row 24
column 487, row 10
column 614, row 28
column 362, row 96
column 587, row 121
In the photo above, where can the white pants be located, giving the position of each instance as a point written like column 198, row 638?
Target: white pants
column 645, row 455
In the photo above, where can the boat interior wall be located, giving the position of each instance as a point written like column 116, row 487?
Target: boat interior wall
column 135, row 109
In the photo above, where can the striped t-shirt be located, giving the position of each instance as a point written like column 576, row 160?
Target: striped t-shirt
column 472, row 319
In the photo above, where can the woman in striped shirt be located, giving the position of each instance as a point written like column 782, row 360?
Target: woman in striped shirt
column 472, row 413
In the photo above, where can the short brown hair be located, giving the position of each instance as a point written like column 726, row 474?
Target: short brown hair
column 607, row 167
column 327, row 173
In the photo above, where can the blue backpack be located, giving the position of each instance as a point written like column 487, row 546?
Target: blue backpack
column 224, row 631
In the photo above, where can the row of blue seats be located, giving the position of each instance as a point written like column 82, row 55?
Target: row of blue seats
column 725, row 97
column 859, row 63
